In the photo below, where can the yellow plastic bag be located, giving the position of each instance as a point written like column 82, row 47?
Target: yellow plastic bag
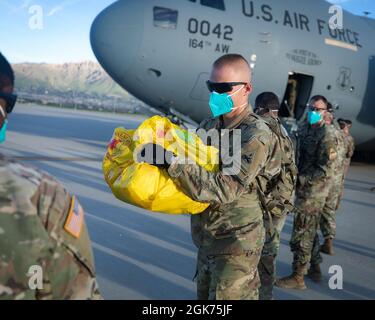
column 148, row 186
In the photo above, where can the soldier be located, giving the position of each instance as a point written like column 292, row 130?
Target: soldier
column 278, row 192
column 230, row 233
column 345, row 126
column 328, row 217
column 292, row 99
column 45, row 250
column 317, row 152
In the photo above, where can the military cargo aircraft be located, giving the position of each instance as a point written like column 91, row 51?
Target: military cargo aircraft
column 161, row 52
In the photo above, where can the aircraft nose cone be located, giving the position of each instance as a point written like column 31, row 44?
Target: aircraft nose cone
column 115, row 37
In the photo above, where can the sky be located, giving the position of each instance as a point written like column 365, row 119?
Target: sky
column 62, row 33
column 357, row 6
column 64, row 36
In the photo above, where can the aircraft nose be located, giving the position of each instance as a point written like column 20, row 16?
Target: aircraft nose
column 116, row 35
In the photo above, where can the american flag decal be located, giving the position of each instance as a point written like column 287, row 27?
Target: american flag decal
column 74, row 221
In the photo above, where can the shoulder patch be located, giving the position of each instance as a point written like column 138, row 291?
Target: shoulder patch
column 254, row 128
column 263, row 132
column 74, row 220
column 263, row 139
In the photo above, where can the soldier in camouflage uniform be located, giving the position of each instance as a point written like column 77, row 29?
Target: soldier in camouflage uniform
column 317, row 152
column 328, row 217
column 230, row 233
column 328, row 221
column 279, row 191
column 41, row 228
column 345, row 126
column 349, row 143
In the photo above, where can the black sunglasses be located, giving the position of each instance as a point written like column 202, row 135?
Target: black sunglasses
column 222, row 87
column 312, row 108
column 10, row 99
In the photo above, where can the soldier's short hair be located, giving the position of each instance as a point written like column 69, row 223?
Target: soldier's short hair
column 229, row 59
column 267, row 100
column 318, row 98
column 6, row 73
column 330, row 108
column 341, row 120
column 348, row 122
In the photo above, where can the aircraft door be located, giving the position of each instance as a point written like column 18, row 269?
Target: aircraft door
column 296, row 95
column 367, row 113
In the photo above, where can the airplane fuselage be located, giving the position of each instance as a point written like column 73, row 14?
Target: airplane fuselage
column 162, row 52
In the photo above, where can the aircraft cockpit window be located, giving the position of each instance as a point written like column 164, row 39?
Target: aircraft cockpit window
column 217, row 4
column 165, row 18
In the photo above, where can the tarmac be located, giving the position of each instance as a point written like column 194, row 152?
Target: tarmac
column 147, row 255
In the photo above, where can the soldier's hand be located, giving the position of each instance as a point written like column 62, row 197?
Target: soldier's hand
column 155, row 155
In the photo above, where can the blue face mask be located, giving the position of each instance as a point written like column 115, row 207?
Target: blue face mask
column 221, row 103
column 3, row 131
column 313, row 117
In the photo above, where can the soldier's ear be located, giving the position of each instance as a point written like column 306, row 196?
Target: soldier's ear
column 249, row 88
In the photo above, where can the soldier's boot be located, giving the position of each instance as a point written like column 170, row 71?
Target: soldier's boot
column 294, row 281
column 314, row 273
column 327, row 247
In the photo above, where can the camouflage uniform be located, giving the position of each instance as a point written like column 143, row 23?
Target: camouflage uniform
column 230, row 233
column 267, row 264
column 349, row 147
column 42, row 225
column 328, row 218
column 275, row 220
column 293, row 86
column 317, row 152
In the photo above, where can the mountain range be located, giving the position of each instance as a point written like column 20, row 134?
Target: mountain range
column 86, row 78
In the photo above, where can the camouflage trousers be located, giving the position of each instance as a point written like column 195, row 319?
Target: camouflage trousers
column 342, row 185
column 327, row 223
column 267, row 263
column 316, row 257
column 230, row 276
column 310, row 203
column 328, row 217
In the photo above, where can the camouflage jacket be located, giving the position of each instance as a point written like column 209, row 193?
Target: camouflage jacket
column 350, row 146
column 338, row 167
column 42, row 236
column 291, row 127
column 317, row 150
column 280, row 188
column 235, row 207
